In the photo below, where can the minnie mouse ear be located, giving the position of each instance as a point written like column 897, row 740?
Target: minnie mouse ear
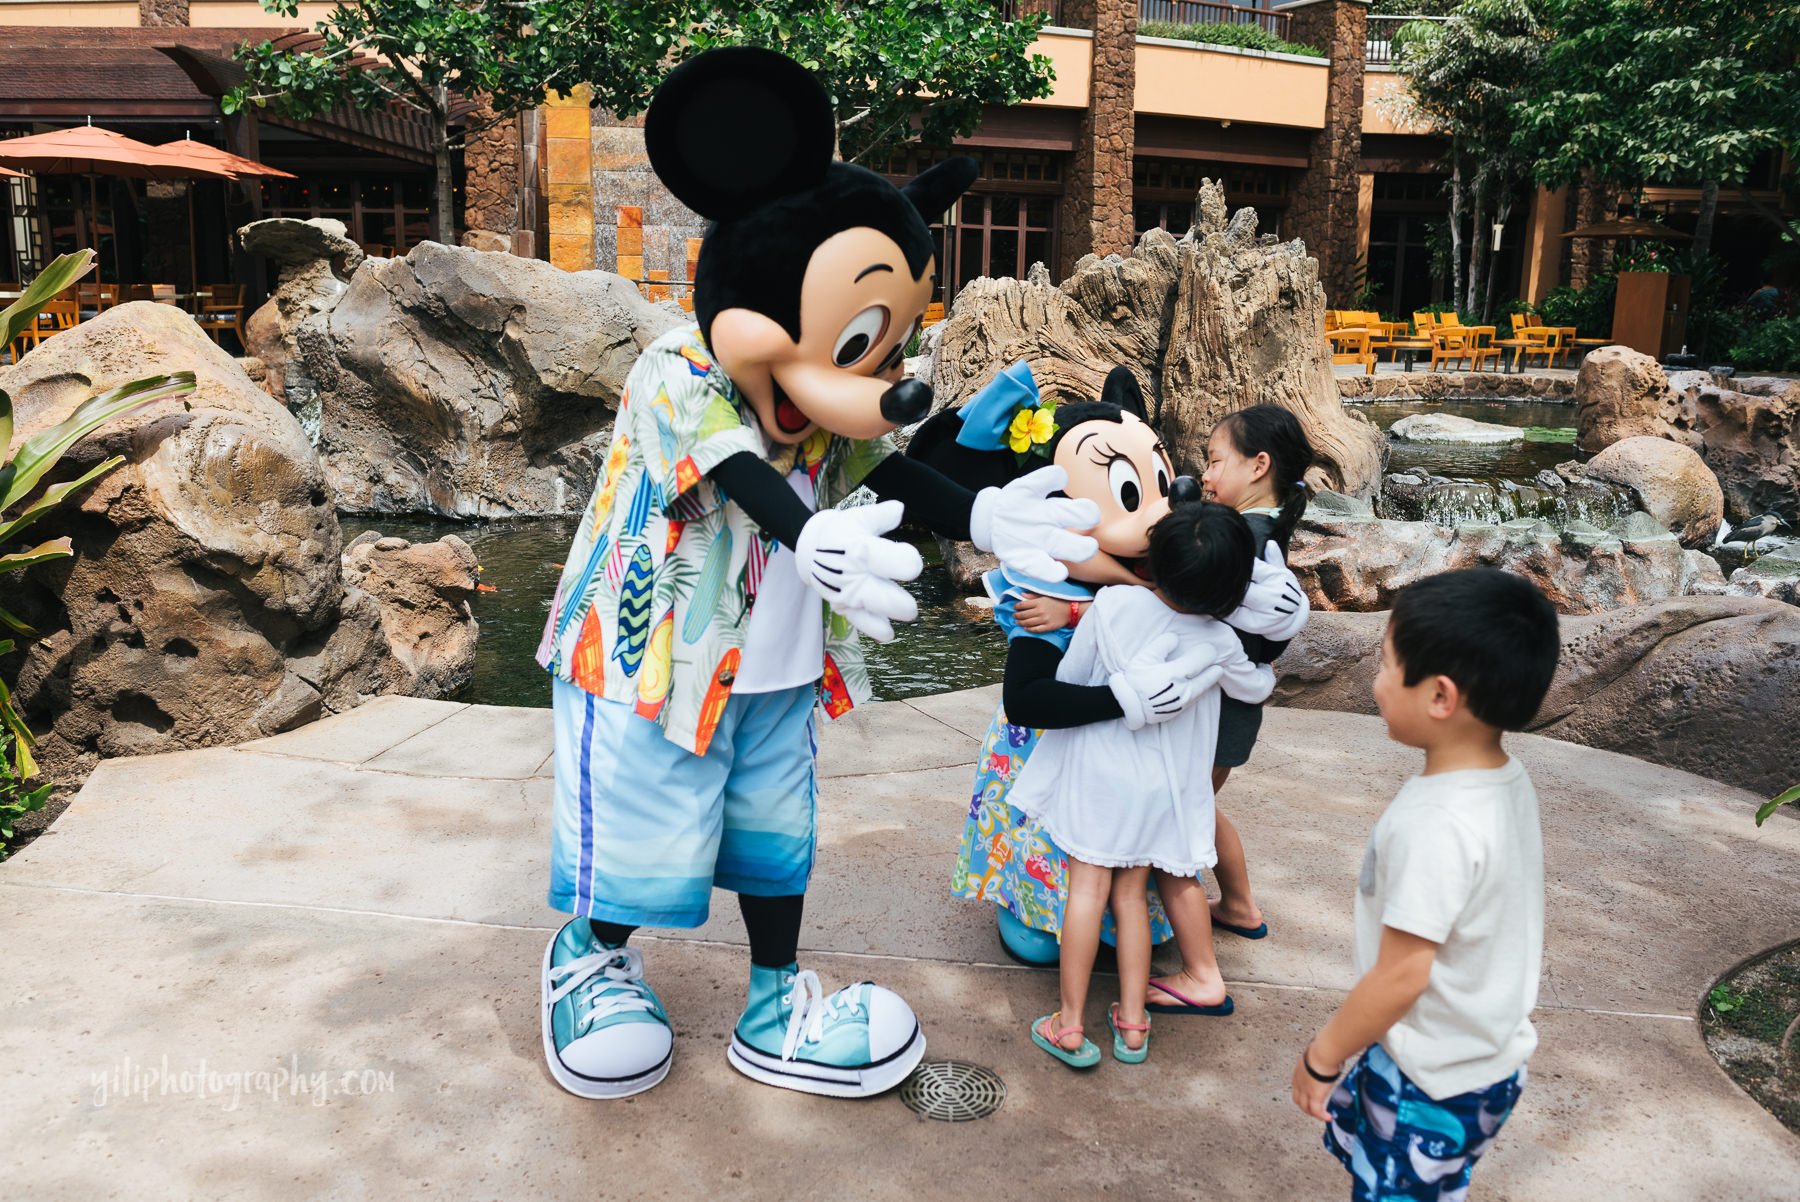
column 1122, row 390
column 734, row 128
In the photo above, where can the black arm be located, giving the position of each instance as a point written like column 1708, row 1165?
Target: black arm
column 760, row 492
column 932, row 499
column 1034, row 697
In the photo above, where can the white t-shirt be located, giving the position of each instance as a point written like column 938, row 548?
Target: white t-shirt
column 784, row 643
column 1457, row 858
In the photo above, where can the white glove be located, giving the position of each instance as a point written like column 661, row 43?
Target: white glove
column 1154, row 688
column 841, row 556
column 1275, row 606
column 1029, row 530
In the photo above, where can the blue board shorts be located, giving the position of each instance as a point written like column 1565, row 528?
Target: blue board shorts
column 643, row 829
column 1400, row 1143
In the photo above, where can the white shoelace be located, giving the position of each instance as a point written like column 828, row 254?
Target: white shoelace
column 614, row 981
column 810, row 1010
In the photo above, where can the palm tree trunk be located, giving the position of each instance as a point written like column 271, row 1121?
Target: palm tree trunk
column 443, row 212
column 1703, row 226
column 1456, row 235
column 1477, row 242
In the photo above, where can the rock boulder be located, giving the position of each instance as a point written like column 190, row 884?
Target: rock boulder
column 1449, row 429
column 1621, row 393
column 316, row 259
column 205, row 602
column 1674, row 483
column 468, row 383
column 1215, row 321
column 1748, row 431
column 1710, row 685
column 1349, row 561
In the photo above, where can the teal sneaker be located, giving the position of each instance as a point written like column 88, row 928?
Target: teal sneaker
column 605, row 1032
column 858, row 1042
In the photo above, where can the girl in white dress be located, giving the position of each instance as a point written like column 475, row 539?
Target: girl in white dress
column 1128, row 797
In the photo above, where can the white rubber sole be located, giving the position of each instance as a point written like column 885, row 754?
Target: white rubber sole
column 594, row 1088
column 806, row 1077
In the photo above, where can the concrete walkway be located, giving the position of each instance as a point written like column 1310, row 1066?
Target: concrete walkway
column 362, row 900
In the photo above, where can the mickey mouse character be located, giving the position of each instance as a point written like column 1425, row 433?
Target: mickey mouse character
column 1114, row 458
column 710, row 598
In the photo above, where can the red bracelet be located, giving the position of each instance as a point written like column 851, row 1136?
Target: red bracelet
column 1074, row 612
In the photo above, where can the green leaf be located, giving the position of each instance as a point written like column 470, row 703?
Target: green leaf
column 52, row 497
column 63, row 271
column 56, row 548
column 16, row 626
column 41, row 451
column 1773, row 804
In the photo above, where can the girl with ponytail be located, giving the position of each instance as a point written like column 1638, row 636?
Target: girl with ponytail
column 1256, row 463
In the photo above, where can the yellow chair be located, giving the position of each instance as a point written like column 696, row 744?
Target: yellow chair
column 1458, row 345
column 222, row 308
column 1352, row 346
column 62, row 313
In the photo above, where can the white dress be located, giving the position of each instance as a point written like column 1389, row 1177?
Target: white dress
column 1118, row 798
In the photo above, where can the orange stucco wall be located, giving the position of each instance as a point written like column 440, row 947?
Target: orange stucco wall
column 1377, row 117
column 1073, row 57
column 1180, row 81
column 112, row 14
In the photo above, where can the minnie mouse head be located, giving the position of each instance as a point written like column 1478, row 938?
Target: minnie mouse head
column 814, row 274
column 1108, row 447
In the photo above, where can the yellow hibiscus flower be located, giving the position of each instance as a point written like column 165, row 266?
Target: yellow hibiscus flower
column 1018, row 432
column 1043, row 424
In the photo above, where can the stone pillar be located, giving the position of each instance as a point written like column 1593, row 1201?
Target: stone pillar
column 1588, row 257
column 1323, row 210
column 162, row 13
column 569, row 179
column 626, row 191
column 1095, row 213
column 491, row 194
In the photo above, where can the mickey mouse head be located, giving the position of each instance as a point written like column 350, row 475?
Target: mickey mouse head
column 814, row 274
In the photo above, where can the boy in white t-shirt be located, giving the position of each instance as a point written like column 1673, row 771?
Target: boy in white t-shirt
column 1450, row 901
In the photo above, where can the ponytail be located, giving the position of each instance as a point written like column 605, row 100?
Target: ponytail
column 1273, row 431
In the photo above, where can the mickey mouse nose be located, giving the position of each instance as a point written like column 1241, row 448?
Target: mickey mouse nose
column 1184, row 491
column 906, row 402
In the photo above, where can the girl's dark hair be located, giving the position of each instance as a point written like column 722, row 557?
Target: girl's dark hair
column 1200, row 557
column 1273, row 431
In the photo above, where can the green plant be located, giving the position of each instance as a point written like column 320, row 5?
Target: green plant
column 22, row 503
column 1368, row 292
column 1772, row 345
column 1642, row 258
column 1775, row 803
column 1724, row 1001
column 1413, row 33
column 1589, row 309
column 1242, row 37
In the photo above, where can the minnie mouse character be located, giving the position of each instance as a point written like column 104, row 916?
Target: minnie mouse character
column 711, row 594
column 1114, row 458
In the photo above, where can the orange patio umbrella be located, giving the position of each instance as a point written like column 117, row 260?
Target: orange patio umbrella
column 91, row 151
column 211, row 158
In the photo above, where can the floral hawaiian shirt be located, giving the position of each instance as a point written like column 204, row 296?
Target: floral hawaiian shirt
column 656, row 591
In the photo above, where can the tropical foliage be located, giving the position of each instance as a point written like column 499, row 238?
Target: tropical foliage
column 890, row 65
column 1245, row 37
column 22, row 503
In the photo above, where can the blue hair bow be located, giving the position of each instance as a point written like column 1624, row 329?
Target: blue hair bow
column 988, row 413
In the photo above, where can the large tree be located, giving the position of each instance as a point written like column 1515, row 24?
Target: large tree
column 895, row 69
column 1667, row 91
column 1465, row 77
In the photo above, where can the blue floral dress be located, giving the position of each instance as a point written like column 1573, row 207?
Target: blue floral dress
column 1006, row 858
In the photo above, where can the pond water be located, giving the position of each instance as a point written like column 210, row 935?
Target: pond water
column 943, row 650
column 1506, row 461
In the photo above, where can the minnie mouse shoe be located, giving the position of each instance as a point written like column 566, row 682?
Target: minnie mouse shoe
column 856, row 1043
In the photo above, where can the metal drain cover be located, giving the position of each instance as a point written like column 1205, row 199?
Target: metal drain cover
column 953, row 1091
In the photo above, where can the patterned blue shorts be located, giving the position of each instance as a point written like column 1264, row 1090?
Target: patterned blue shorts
column 643, row 829
column 1400, row 1143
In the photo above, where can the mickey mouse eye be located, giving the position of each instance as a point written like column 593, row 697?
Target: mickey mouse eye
column 856, row 339
column 1122, row 478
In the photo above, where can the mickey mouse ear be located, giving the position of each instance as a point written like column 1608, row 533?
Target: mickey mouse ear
column 1122, row 389
column 937, row 187
column 734, row 128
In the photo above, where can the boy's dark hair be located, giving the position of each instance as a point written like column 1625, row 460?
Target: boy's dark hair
column 1491, row 632
column 1273, row 431
column 1200, row 557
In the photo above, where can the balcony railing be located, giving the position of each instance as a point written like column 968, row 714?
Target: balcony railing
column 1193, row 12
column 1380, row 48
column 1181, row 12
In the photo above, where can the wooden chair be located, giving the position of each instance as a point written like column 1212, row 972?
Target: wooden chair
column 1423, row 324
column 160, row 293
column 1459, row 345
column 1548, row 341
column 934, row 313
column 222, row 308
column 63, row 313
column 1352, row 346
column 1518, row 342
